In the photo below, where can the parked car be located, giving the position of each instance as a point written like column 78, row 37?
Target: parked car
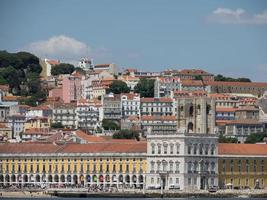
column 174, row 187
column 213, row 188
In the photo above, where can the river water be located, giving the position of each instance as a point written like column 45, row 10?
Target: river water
column 138, row 198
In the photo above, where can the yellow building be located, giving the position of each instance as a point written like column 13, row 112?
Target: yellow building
column 37, row 122
column 109, row 164
column 242, row 166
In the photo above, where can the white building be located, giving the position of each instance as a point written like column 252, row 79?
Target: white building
column 16, row 123
column 85, row 64
column 130, row 103
column 181, row 161
column 89, row 114
column 157, row 106
column 186, row 159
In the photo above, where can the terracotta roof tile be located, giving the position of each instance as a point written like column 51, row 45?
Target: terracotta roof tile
column 247, row 84
column 163, row 99
column 242, row 149
column 123, row 147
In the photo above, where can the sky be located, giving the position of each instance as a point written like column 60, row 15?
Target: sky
column 221, row 37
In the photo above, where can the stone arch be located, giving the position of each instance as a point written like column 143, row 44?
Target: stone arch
column 107, row 178
column 127, row 178
column 44, row 178
column 190, row 127
column 62, row 178
column 141, row 178
column 101, row 178
column 37, row 178
column 1, row 178
column 198, row 109
column 69, row 178
column 56, row 178
column 50, row 178
column 75, row 179
column 191, row 110
column 19, row 178
column 31, row 178
column 94, row 178
column 121, row 178
column 208, row 108
column 25, row 178
column 134, row 178
column 114, row 178
column 88, row 178
column 13, row 178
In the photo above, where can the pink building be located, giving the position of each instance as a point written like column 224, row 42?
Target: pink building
column 56, row 92
column 71, row 88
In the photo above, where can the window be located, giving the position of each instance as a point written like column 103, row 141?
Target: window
column 171, row 166
column 165, row 147
column 158, row 166
column 195, row 149
column 171, row 148
column 201, row 149
column 177, row 168
column 178, row 148
column 152, row 180
column 189, row 181
column 152, row 166
column 206, row 149
column 164, row 165
column 159, row 149
column 153, row 148
column 189, row 149
column 189, row 167
column 212, row 151
column 177, row 180
column 170, row 181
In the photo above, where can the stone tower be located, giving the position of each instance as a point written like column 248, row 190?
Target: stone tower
column 196, row 115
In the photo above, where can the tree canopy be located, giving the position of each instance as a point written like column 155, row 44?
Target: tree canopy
column 145, row 87
column 21, row 71
column 110, row 125
column 223, row 139
column 220, row 77
column 126, row 134
column 62, row 68
column 118, row 87
column 256, row 137
column 57, row 125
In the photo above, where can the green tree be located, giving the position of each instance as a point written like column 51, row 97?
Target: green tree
column 57, row 125
column 126, row 134
column 198, row 77
column 80, row 70
column 223, row 139
column 145, row 87
column 62, row 68
column 256, row 137
column 110, row 125
column 118, row 87
column 220, row 77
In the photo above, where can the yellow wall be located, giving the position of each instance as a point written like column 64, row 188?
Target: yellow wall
column 240, row 178
column 71, row 161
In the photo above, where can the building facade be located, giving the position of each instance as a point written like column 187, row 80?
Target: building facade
column 242, row 166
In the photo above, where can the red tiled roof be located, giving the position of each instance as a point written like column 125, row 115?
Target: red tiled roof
column 163, row 99
column 243, row 121
column 28, row 148
column 242, row 149
column 225, row 109
column 192, row 82
column 158, row 118
column 244, row 84
column 53, row 62
column 89, row 138
column 122, row 147
column 247, row 108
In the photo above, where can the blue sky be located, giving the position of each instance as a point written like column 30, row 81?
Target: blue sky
column 228, row 37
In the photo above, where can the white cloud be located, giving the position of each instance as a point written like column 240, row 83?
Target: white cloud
column 238, row 16
column 60, row 47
